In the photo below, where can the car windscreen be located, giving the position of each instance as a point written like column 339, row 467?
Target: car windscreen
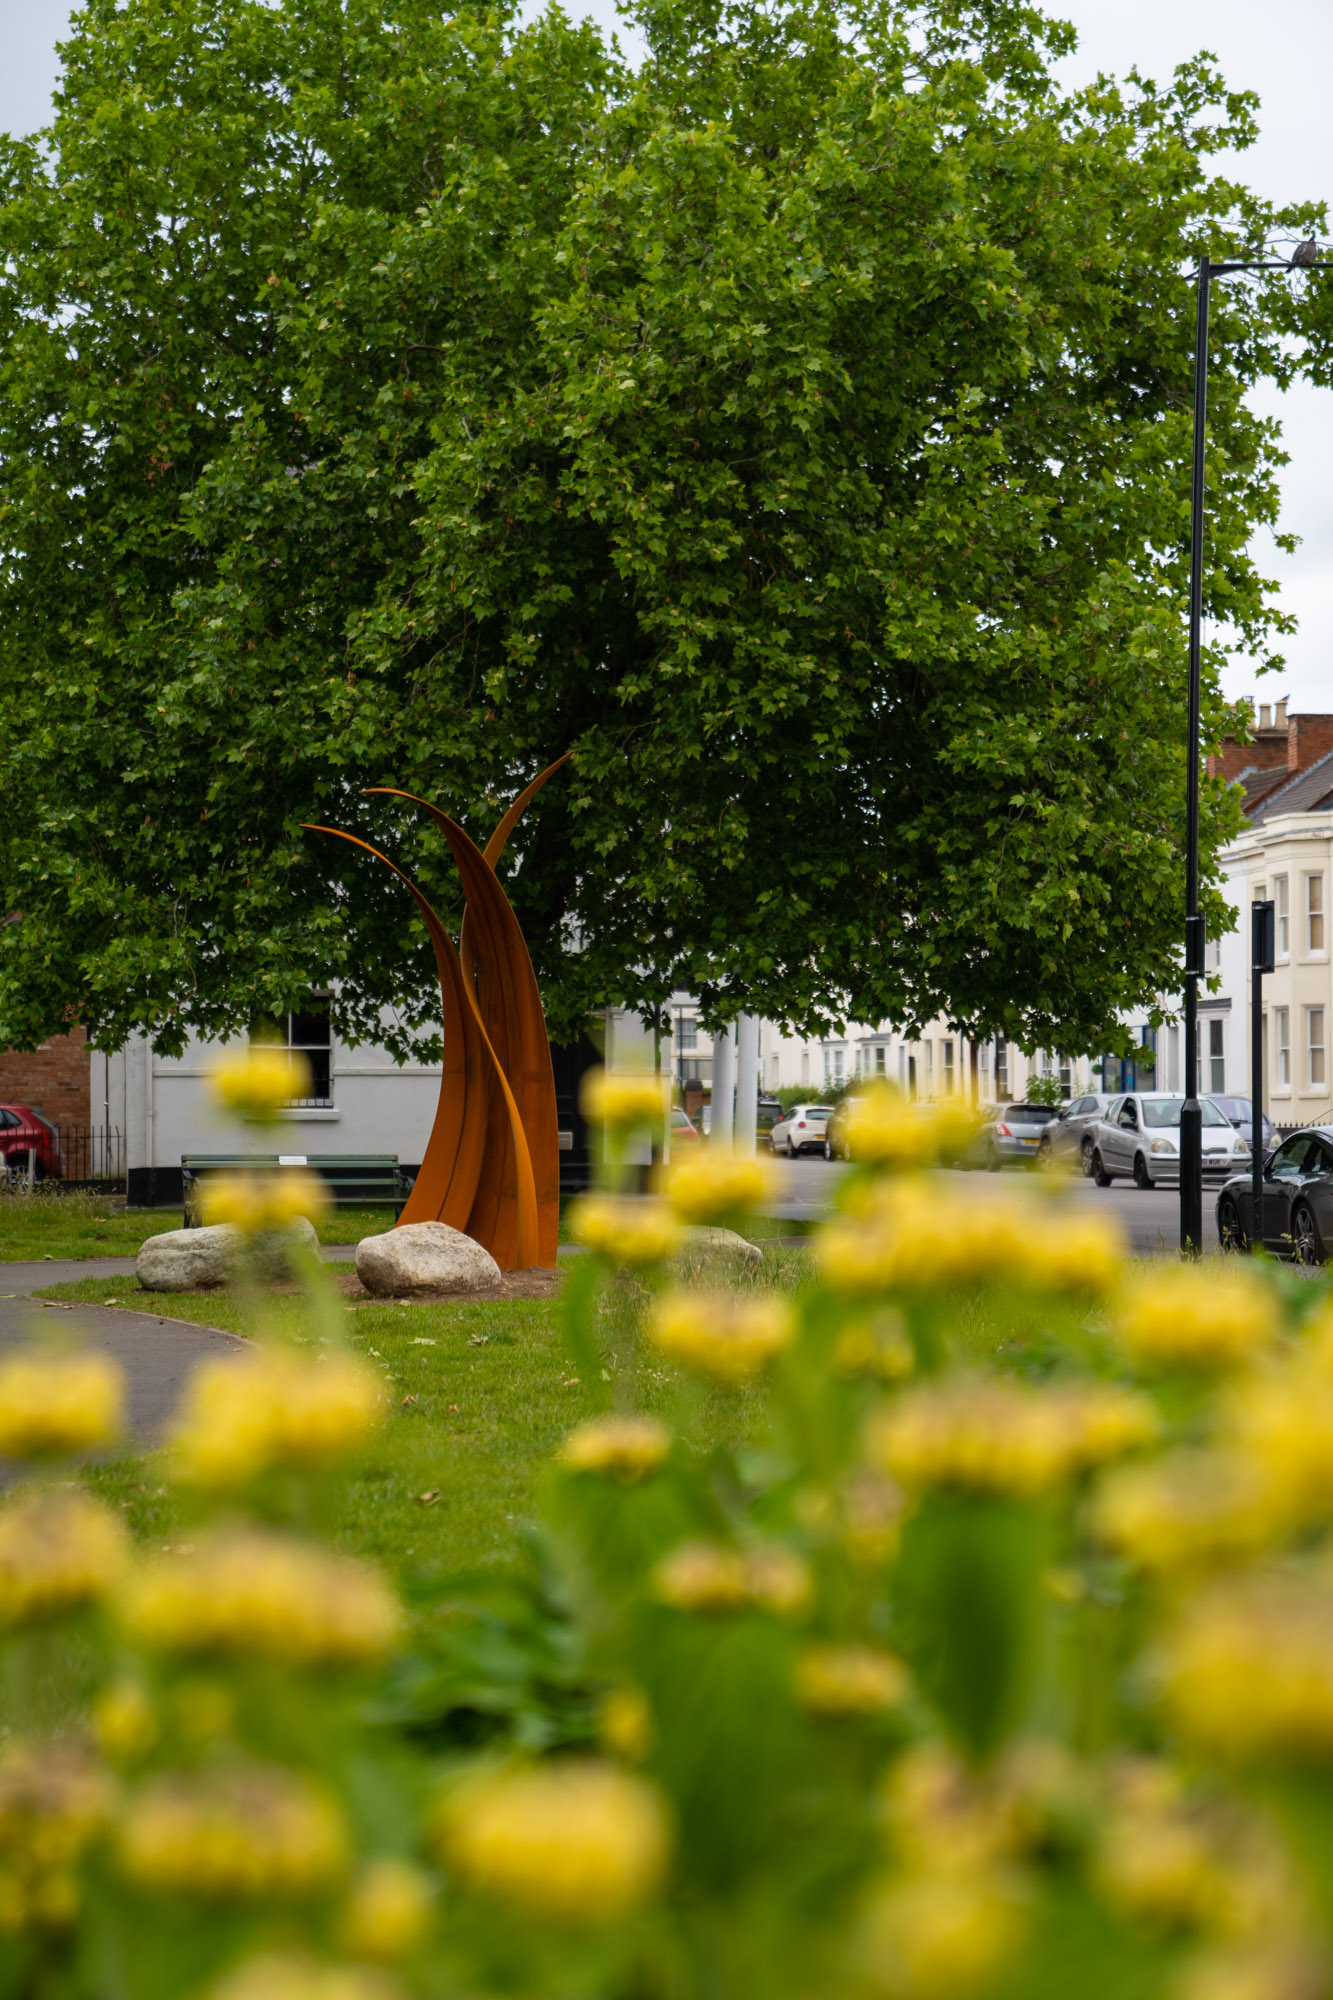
column 1166, row 1111
column 1028, row 1114
column 1233, row 1107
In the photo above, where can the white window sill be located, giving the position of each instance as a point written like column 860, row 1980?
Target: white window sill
column 328, row 1114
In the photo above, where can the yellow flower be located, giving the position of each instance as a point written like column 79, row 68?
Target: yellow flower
column 254, row 1832
column 256, row 1203
column 58, row 1552
column 275, row 1976
column 59, row 1403
column 705, row 1576
column 1247, row 1671
column 1189, row 1511
column 572, row 1839
column 627, row 1231
column 707, row 1186
column 1174, row 1862
column 389, row 1908
column 986, row 1435
column 124, row 1721
column 1280, row 1424
column 53, row 1804
column 626, row 1448
column 251, row 1592
column 1185, row 1317
column 872, row 1514
column 928, row 1935
column 625, row 1098
column 625, row 1724
column 259, row 1082
column 850, row 1680
column 727, row 1335
column 876, row 1344
column 886, row 1129
column 1103, row 1422
column 1075, row 1253
column 243, row 1415
column 1269, row 1971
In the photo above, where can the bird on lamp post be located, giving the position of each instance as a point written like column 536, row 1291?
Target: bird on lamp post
column 1305, row 254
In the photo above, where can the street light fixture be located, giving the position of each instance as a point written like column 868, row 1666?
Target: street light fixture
column 1305, row 258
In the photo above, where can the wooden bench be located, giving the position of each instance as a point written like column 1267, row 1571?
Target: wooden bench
column 353, row 1180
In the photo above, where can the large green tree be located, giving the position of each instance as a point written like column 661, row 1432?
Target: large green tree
column 796, row 431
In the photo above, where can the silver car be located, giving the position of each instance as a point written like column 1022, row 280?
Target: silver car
column 1012, row 1135
column 1069, row 1134
column 1140, row 1138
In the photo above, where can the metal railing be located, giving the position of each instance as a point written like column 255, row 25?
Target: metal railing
column 91, row 1157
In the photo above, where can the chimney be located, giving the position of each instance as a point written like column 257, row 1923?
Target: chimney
column 1265, row 716
column 1280, row 714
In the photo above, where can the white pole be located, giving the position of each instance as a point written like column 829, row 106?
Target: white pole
column 747, row 1083
column 724, row 1088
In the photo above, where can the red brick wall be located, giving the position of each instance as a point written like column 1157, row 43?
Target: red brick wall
column 1270, row 748
column 54, row 1079
column 1309, row 737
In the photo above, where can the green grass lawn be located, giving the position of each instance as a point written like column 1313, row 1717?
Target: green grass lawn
column 482, row 1392
column 86, row 1225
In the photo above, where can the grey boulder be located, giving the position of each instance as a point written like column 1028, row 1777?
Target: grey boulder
column 187, row 1260
column 703, row 1244
column 424, row 1260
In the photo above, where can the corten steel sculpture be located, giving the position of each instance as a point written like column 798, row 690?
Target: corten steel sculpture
column 492, row 1165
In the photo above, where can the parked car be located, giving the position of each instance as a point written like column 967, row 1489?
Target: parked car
column 683, row 1131
column 23, row 1130
column 769, row 1114
column 1010, row 1135
column 801, row 1130
column 1237, row 1109
column 1297, row 1199
column 1140, row 1137
column 1069, row 1134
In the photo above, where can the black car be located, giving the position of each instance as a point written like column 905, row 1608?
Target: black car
column 1297, row 1199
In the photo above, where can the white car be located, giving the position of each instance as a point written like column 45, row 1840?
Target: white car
column 803, row 1129
column 1140, row 1137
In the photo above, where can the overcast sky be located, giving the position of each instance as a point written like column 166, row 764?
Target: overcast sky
column 1283, row 50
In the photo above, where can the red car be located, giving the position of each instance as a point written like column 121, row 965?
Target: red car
column 24, row 1131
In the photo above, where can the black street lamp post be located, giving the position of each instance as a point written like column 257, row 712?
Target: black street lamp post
column 1306, row 258
column 1262, row 941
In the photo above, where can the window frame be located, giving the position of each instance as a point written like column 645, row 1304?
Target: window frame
column 1282, row 1050
column 1310, row 917
column 1217, row 1056
column 1281, row 916
column 1316, row 1053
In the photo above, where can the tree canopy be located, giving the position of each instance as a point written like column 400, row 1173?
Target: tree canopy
column 796, row 431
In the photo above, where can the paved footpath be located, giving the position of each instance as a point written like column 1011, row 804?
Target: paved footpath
column 157, row 1354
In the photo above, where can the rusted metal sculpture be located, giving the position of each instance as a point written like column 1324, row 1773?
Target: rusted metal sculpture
column 492, row 1164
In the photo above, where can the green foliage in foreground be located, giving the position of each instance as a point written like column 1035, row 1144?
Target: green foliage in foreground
column 795, row 430
column 954, row 1627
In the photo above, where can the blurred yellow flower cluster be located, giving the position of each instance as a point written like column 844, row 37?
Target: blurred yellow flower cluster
column 252, row 1592
column 389, row 1908
column 626, row 1448
column 287, row 1976
column 913, row 1233
column 707, row 1576
column 626, row 1230
column 57, row 1403
column 1184, row 1863
column 624, row 1098
column 59, row 1551
column 850, row 1680
column 259, row 1202
column 240, row 1831
column 1188, row 1511
column 875, row 1343
column 883, row 1128
column 573, row 1839
column 1183, row 1317
column 728, row 1335
column 259, row 1082
column 242, row 1416
column 1247, row 1668
column 53, row 1803
column 986, row 1435
column 708, row 1187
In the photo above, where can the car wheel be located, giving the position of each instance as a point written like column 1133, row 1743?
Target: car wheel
column 1305, row 1245
column 1085, row 1159
column 1230, row 1234
column 1099, row 1173
column 1142, row 1178
column 992, row 1158
column 791, row 1150
column 828, row 1150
